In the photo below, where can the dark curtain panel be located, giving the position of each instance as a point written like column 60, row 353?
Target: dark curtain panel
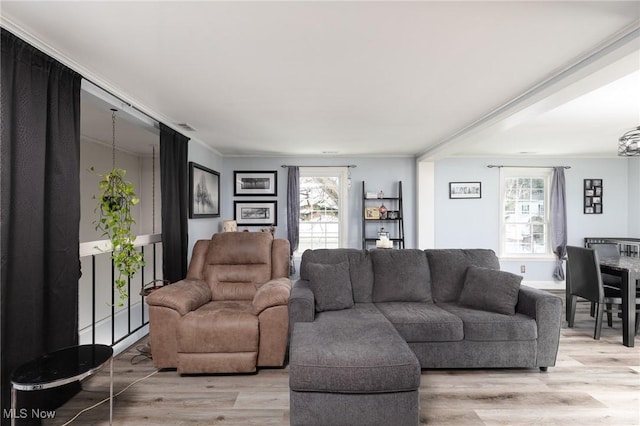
column 558, row 220
column 39, row 205
column 293, row 212
column 174, row 186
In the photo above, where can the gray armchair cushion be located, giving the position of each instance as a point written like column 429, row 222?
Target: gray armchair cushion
column 331, row 286
column 401, row 276
column 491, row 290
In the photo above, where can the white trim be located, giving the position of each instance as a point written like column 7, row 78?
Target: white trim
column 343, row 198
column 542, row 172
column 546, row 285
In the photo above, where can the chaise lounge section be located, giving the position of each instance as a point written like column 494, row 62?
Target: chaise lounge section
column 363, row 324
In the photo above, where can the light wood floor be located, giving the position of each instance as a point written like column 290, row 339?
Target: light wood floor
column 593, row 382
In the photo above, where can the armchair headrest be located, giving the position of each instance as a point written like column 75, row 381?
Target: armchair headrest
column 240, row 248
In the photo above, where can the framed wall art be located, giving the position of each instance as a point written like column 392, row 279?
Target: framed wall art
column 255, row 183
column 256, row 213
column 460, row 190
column 204, row 192
column 593, row 196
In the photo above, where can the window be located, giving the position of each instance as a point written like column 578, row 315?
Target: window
column 323, row 208
column 525, row 212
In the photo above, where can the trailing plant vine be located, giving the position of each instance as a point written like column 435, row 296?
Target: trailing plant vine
column 115, row 201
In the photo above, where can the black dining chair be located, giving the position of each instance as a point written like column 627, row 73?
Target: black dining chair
column 608, row 250
column 584, row 280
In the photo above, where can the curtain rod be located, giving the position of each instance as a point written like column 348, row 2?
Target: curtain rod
column 349, row 166
column 491, row 166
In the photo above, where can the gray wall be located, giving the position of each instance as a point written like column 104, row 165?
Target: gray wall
column 476, row 223
column 377, row 173
column 458, row 223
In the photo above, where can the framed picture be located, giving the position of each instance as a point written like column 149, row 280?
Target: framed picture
column 255, row 183
column 593, row 196
column 256, row 213
column 204, row 192
column 372, row 213
column 458, row 190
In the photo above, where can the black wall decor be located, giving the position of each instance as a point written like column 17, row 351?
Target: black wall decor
column 593, row 196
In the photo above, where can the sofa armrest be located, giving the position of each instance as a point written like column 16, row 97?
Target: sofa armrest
column 546, row 309
column 272, row 293
column 183, row 296
column 302, row 306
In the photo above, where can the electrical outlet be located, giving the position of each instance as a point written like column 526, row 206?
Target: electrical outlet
column 523, row 269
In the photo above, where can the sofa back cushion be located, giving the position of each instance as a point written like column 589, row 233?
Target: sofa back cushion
column 360, row 268
column 331, row 286
column 401, row 276
column 491, row 290
column 449, row 269
column 237, row 264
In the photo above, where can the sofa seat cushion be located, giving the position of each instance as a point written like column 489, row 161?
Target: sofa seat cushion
column 423, row 322
column 219, row 326
column 351, row 351
column 484, row 326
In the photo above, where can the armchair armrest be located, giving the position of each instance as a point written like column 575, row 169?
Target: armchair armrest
column 546, row 309
column 184, row 296
column 301, row 303
column 272, row 293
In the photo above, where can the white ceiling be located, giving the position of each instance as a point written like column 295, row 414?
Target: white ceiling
column 358, row 78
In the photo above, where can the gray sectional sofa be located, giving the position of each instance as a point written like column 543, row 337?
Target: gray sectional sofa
column 364, row 323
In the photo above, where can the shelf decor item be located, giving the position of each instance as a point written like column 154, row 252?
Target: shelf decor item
column 593, row 196
column 372, row 213
column 383, row 211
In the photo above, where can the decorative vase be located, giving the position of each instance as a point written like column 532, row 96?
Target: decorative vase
column 383, row 211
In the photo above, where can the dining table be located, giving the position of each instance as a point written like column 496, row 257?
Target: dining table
column 628, row 268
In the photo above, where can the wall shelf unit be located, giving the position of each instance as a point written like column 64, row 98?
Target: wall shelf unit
column 388, row 219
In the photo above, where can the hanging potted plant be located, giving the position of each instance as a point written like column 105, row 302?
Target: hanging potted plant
column 115, row 203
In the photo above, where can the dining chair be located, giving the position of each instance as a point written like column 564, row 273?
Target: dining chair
column 608, row 250
column 584, row 280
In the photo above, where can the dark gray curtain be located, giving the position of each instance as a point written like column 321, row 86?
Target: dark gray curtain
column 293, row 212
column 174, row 186
column 558, row 220
column 39, row 206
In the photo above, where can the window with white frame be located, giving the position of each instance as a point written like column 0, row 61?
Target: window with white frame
column 323, row 208
column 524, row 215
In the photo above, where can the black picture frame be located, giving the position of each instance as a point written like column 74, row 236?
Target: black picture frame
column 204, row 192
column 256, row 213
column 255, row 183
column 592, row 196
column 465, row 190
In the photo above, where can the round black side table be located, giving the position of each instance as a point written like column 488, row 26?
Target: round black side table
column 62, row 367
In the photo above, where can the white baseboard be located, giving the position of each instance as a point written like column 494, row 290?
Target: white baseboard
column 546, row 285
column 103, row 330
